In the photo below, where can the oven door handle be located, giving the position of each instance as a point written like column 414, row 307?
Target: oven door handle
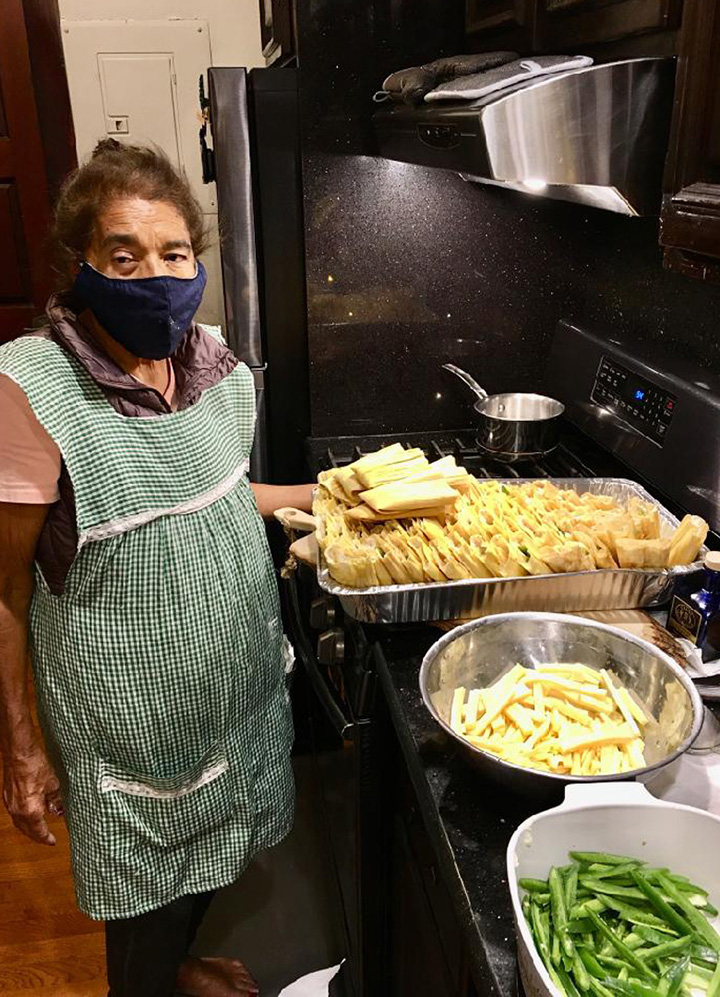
column 343, row 723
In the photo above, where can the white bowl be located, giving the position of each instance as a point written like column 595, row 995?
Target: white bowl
column 608, row 817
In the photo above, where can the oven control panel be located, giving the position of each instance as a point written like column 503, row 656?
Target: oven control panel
column 644, row 405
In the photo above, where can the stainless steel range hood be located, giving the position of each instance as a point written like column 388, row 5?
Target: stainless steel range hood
column 597, row 135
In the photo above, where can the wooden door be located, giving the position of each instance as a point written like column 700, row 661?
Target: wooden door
column 25, row 281
column 690, row 221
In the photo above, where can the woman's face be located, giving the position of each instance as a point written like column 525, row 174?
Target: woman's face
column 138, row 238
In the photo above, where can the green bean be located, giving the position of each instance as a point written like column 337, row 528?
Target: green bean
column 540, row 898
column 696, row 919
column 620, row 947
column 634, row 941
column 636, row 916
column 671, row 981
column 541, row 929
column 668, row 948
column 601, row 886
column 540, row 935
column 714, row 986
column 603, row 858
column 534, row 885
column 710, row 910
column 701, row 973
column 651, row 934
column 580, row 910
column 611, row 961
column 559, row 911
column 683, row 883
column 629, row 988
column 591, row 963
column 614, row 871
column 567, row 984
column 703, row 953
column 579, row 927
column 555, row 949
column 571, row 885
column 580, row 973
column 661, row 905
column 598, row 989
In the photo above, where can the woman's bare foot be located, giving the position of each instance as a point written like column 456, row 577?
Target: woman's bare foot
column 215, row 978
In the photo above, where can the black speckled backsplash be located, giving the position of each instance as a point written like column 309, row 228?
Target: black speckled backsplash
column 409, row 267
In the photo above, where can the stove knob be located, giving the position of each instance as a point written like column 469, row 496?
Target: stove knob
column 323, row 613
column 331, row 647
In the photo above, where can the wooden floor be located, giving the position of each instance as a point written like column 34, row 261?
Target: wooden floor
column 47, row 947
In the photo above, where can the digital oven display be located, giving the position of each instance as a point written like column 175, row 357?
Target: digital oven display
column 647, row 407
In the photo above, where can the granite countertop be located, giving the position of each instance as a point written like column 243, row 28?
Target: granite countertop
column 469, row 818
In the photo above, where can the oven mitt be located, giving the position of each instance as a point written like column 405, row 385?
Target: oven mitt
column 409, row 86
column 471, row 87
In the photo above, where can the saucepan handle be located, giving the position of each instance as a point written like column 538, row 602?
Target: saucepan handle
column 467, row 379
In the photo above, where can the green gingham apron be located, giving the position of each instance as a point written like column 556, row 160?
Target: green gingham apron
column 160, row 670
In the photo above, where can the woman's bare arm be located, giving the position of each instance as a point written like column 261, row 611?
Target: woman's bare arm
column 272, row 497
column 29, row 783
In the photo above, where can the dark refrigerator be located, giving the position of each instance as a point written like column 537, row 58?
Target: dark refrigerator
column 250, row 144
column 255, row 163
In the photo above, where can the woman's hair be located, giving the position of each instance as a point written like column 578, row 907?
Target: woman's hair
column 118, row 171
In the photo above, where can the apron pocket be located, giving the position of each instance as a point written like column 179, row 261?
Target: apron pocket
column 170, row 812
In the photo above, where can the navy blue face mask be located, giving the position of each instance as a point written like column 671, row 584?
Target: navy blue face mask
column 147, row 315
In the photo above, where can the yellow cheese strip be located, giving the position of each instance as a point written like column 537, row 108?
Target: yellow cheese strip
column 619, row 701
column 542, row 731
column 633, row 707
column 556, row 681
column 543, row 721
column 634, row 752
column 538, row 699
column 521, row 717
column 578, row 671
column 456, row 710
column 617, row 735
column 473, row 708
column 568, row 710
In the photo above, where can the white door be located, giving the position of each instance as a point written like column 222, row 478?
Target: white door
column 137, row 81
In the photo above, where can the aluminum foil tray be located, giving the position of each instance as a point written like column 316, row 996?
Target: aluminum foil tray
column 575, row 591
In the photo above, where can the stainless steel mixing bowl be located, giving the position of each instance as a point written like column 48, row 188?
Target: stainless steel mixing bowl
column 476, row 654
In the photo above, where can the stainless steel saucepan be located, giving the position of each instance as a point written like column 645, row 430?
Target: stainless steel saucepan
column 514, row 425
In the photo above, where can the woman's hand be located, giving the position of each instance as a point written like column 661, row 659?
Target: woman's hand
column 30, row 788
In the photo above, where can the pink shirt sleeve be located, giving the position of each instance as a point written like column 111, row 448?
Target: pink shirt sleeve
column 30, row 461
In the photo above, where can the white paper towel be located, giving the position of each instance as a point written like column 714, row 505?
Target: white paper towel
column 696, row 667
column 313, row 985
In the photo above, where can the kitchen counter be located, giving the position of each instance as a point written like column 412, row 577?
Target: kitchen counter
column 468, row 818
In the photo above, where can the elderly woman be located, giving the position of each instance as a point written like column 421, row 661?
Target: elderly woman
column 134, row 568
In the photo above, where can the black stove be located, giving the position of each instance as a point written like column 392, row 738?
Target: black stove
column 653, row 420
column 575, row 457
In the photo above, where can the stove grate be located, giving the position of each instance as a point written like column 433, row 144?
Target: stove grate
column 561, row 463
